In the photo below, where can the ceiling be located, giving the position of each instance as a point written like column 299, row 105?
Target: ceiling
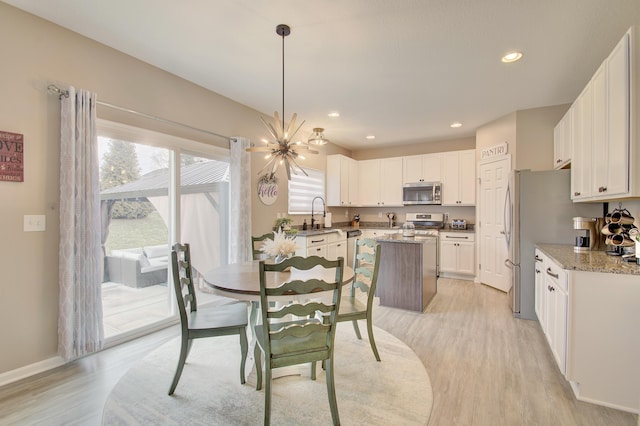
column 400, row 70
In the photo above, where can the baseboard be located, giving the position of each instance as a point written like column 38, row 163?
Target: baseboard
column 576, row 392
column 457, row 276
column 31, row 369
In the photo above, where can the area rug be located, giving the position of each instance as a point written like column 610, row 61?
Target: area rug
column 395, row 391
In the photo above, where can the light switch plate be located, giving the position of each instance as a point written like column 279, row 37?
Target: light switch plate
column 35, row 222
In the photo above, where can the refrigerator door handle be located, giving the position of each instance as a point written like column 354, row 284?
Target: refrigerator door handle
column 509, row 264
column 507, row 209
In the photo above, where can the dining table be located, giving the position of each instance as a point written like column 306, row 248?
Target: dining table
column 241, row 281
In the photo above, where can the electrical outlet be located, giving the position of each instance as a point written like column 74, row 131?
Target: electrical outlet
column 379, row 215
column 35, row 223
column 446, row 217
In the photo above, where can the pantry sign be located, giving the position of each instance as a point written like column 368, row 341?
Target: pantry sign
column 11, row 157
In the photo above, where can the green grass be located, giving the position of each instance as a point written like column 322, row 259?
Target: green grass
column 130, row 233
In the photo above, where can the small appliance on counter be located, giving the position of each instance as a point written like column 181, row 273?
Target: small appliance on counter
column 587, row 238
column 408, row 229
column 458, row 224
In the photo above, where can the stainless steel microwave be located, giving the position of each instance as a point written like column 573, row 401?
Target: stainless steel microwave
column 422, row 193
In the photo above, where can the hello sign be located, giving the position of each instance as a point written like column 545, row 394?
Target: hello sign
column 268, row 190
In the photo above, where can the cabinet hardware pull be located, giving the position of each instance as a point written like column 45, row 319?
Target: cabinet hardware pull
column 602, row 189
column 537, row 271
column 552, row 274
column 576, row 194
column 317, row 241
column 538, row 258
column 550, row 288
column 459, row 238
column 558, row 161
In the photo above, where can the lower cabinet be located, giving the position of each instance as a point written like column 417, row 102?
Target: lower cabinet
column 330, row 245
column 552, row 301
column 457, row 254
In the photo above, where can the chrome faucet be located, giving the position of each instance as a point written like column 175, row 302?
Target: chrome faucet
column 324, row 210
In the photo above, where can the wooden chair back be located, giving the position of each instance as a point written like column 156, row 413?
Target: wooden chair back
column 183, row 281
column 366, row 263
column 304, row 340
column 257, row 254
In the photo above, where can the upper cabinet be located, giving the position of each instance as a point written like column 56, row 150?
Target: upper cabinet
column 342, row 181
column 459, row 178
column 380, row 182
column 562, row 141
column 606, row 153
column 421, row 168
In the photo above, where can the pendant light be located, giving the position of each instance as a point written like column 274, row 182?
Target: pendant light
column 317, row 138
column 282, row 150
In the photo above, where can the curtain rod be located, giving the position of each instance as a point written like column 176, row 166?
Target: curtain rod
column 62, row 93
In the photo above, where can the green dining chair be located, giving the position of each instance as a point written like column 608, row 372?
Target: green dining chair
column 286, row 341
column 257, row 254
column 200, row 322
column 366, row 262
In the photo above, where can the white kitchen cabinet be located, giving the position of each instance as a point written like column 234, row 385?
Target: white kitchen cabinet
column 606, row 153
column 611, row 124
column 557, row 302
column 554, row 302
column 342, row 181
column 380, row 182
column 540, row 289
column 562, row 141
column 459, row 178
column 457, row 254
column 582, row 131
column 330, row 245
column 421, row 168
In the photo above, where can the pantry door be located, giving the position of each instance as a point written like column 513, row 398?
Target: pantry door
column 494, row 178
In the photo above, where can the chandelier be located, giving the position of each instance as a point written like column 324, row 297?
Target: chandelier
column 282, row 150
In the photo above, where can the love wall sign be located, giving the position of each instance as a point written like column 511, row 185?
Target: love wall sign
column 11, row 157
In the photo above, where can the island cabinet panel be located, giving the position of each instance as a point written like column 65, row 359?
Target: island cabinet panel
column 405, row 279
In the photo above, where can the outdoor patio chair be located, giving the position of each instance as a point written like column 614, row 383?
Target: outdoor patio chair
column 197, row 323
column 303, row 338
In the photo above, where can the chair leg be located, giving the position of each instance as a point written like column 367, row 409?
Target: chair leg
column 331, row 392
column 313, row 370
column 257, row 356
column 372, row 342
column 356, row 329
column 184, row 351
column 267, row 395
column 244, row 348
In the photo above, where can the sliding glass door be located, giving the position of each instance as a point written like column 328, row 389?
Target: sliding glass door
column 152, row 196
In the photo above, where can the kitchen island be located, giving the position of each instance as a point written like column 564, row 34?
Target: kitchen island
column 407, row 275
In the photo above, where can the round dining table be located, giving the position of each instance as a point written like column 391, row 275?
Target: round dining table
column 242, row 280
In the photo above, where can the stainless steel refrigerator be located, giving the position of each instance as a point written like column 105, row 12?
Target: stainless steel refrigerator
column 538, row 209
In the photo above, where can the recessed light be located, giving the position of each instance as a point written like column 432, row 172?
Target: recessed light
column 455, row 125
column 334, row 114
column 511, row 57
column 370, row 137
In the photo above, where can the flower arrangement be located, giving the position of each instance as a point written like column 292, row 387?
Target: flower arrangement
column 280, row 246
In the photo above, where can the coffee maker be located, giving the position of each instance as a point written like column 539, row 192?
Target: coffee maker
column 587, row 235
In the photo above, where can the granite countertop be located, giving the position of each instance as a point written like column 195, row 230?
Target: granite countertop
column 592, row 261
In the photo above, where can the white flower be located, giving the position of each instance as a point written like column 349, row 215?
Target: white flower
column 280, row 245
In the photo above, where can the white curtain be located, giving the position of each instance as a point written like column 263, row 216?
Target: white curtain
column 240, row 200
column 81, row 263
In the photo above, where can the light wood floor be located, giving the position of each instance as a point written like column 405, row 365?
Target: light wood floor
column 486, row 368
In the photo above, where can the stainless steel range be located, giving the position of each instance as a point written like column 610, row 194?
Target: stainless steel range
column 428, row 224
